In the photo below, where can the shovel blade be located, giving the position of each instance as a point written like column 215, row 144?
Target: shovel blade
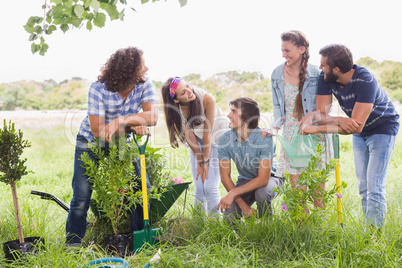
column 144, row 238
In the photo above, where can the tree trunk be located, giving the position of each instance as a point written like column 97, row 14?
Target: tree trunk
column 17, row 212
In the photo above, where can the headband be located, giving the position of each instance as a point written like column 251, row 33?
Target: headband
column 173, row 86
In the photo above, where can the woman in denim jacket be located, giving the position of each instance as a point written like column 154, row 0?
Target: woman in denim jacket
column 294, row 89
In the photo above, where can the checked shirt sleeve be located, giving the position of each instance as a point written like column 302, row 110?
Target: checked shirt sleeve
column 148, row 92
column 95, row 100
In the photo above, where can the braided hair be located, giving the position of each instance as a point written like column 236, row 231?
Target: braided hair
column 299, row 39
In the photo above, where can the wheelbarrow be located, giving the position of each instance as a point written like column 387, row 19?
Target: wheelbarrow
column 158, row 208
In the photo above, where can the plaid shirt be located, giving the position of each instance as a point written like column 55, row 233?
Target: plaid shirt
column 110, row 105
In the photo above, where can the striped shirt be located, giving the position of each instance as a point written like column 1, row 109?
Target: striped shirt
column 364, row 88
column 110, row 105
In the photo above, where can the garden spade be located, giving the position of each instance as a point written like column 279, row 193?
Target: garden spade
column 146, row 236
column 338, row 177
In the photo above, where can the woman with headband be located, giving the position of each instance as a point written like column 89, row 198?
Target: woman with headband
column 193, row 118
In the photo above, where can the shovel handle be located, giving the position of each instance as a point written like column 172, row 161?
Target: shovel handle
column 142, row 147
column 144, row 189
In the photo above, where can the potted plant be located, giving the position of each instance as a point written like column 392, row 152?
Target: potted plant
column 12, row 168
column 115, row 188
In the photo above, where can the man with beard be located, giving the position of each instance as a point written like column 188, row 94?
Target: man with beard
column 372, row 120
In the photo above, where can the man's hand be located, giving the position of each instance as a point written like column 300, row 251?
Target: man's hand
column 307, row 120
column 140, row 130
column 348, row 124
column 249, row 213
column 308, row 129
column 225, row 202
column 110, row 130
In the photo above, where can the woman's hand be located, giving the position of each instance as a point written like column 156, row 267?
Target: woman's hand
column 205, row 167
column 200, row 172
column 269, row 132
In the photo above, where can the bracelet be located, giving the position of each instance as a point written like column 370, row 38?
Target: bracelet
column 205, row 162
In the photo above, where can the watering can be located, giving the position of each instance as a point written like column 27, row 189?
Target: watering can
column 299, row 149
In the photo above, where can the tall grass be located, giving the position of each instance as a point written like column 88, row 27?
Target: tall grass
column 201, row 241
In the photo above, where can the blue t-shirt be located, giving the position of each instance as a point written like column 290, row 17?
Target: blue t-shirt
column 107, row 104
column 246, row 155
column 364, row 88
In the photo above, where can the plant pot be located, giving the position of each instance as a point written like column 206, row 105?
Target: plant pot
column 122, row 244
column 15, row 250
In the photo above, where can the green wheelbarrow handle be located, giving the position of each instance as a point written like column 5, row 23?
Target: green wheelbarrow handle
column 142, row 147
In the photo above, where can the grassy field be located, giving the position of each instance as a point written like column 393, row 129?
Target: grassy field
column 204, row 242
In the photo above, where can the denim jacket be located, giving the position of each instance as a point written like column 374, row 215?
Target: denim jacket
column 309, row 93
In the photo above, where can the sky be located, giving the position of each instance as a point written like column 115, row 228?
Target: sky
column 203, row 37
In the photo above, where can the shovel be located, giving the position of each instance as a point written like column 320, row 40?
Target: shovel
column 338, row 177
column 146, row 236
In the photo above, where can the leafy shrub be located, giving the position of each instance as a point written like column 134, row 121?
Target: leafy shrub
column 297, row 201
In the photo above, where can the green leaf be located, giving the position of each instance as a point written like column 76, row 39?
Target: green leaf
column 38, row 29
column 64, row 28
column 78, row 10
column 183, row 3
column 34, row 48
column 43, row 49
column 121, row 15
column 51, row 29
column 87, row 3
column 29, row 28
column 33, row 37
column 89, row 25
column 144, row 1
column 99, row 20
column 76, row 22
column 57, row 2
column 95, row 5
column 112, row 11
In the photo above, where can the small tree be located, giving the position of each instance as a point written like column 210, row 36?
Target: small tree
column 115, row 183
column 12, row 167
column 296, row 201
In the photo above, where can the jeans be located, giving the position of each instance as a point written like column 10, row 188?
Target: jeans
column 82, row 191
column 206, row 195
column 263, row 196
column 372, row 155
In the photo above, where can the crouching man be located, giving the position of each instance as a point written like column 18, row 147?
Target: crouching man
column 253, row 156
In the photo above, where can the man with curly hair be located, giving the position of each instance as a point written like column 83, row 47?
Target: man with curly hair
column 121, row 100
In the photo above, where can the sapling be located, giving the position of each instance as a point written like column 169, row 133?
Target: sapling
column 299, row 200
column 113, row 175
column 12, row 166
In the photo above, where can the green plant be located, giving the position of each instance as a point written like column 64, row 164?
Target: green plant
column 297, row 201
column 12, row 166
column 67, row 14
column 116, row 186
column 156, row 162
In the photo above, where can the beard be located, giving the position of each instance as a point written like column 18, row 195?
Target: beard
column 330, row 77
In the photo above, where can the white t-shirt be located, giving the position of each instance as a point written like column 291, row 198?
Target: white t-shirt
column 221, row 123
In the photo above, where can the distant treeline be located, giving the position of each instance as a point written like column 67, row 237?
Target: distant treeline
column 72, row 94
